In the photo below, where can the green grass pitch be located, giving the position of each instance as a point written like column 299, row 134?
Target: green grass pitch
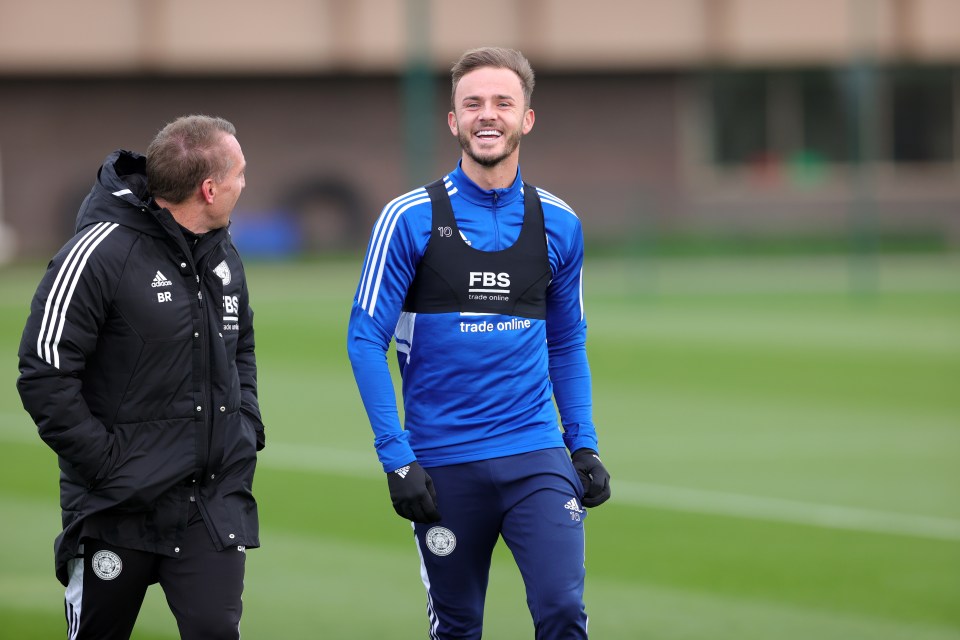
column 783, row 435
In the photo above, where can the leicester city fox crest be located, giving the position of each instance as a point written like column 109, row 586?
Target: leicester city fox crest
column 106, row 565
column 223, row 270
column 440, row 541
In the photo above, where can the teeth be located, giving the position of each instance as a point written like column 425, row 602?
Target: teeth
column 488, row 132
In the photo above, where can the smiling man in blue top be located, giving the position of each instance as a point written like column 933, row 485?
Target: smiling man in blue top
column 478, row 279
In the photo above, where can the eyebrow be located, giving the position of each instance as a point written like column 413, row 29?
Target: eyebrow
column 501, row 96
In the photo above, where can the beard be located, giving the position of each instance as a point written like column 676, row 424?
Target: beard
column 492, row 158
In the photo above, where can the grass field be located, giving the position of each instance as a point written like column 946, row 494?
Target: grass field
column 783, row 435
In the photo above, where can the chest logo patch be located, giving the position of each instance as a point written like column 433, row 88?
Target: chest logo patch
column 223, row 270
column 160, row 280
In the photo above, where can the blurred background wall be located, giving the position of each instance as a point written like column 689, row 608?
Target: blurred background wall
column 666, row 124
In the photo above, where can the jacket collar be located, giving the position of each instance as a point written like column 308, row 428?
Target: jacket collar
column 472, row 192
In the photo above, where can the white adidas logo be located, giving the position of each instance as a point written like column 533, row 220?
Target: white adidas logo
column 402, row 471
column 574, row 509
column 160, row 280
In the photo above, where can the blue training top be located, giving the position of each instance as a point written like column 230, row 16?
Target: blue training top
column 474, row 386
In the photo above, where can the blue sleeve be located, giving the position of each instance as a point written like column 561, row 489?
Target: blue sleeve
column 388, row 269
column 368, row 358
column 567, row 337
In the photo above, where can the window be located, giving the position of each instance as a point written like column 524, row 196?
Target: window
column 923, row 116
column 808, row 117
column 826, row 116
column 739, row 116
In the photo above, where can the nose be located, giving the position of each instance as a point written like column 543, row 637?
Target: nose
column 487, row 111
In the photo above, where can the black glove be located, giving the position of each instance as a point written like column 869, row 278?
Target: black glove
column 593, row 476
column 412, row 493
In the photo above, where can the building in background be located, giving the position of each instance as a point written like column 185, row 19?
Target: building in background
column 717, row 121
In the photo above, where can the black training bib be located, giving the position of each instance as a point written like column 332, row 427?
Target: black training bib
column 453, row 276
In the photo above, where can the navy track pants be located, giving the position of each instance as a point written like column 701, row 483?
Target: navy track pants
column 532, row 500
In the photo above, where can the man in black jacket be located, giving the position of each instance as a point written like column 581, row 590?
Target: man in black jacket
column 137, row 365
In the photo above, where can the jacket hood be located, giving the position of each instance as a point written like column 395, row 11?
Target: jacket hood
column 120, row 195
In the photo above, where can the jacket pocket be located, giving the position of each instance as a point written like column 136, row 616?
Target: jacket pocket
column 150, row 458
column 239, row 441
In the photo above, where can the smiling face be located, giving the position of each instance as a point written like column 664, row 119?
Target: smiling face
column 490, row 116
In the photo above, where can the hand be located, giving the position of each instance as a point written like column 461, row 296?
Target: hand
column 412, row 493
column 593, row 476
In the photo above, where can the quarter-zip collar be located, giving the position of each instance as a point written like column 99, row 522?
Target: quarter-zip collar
column 474, row 194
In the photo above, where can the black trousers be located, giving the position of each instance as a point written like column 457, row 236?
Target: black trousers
column 203, row 588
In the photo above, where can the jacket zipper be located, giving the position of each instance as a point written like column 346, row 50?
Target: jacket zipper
column 207, row 395
column 496, row 225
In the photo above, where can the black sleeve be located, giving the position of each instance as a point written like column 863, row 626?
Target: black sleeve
column 61, row 333
column 247, row 365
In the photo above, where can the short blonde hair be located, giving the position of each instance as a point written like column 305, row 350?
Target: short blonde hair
column 498, row 58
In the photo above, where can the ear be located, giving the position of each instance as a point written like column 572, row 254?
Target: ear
column 452, row 123
column 208, row 190
column 528, row 119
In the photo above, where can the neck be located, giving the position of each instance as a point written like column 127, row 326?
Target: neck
column 499, row 176
column 185, row 216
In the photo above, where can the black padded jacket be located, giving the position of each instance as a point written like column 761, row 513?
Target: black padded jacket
column 137, row 366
